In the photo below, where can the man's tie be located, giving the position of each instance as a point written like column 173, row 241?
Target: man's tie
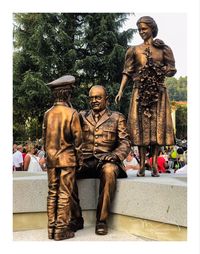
column 96, row 117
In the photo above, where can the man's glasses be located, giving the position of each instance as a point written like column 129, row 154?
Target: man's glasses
column 98, row 98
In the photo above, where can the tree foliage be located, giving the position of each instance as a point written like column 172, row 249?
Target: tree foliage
column 181, row 122
column 48, row 46
column 90, row 46
column 177, row 88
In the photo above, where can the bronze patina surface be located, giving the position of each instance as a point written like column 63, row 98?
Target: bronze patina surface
column 62, row 137
column 105, row 145
column 147, row 65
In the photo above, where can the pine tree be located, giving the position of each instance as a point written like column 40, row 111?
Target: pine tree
column 47, row 46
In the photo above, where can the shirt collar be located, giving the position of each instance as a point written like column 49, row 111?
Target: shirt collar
column 100, row 113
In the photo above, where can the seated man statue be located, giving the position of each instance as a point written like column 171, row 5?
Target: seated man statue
column 105, row 145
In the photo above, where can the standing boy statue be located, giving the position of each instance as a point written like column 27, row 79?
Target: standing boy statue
column 62, row 143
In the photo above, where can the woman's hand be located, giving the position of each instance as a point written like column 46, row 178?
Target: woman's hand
column 118, row 97
column 121, row 89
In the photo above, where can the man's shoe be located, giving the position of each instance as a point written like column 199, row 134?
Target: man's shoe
column 101, row 228
column 63, row 234
column 76, row 224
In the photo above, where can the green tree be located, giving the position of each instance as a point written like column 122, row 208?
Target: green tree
column 177, row 88
column 47, row 46
column 181, row 122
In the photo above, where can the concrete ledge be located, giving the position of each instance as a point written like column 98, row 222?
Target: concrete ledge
column 161, row 199
column 147, row 229
column 82, row 235
column 39, row 220
column 30, row 192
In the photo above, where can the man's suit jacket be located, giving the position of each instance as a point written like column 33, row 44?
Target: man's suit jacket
column 62, row 136
column 108, row 135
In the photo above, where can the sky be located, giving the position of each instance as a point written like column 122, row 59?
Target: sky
column 172, row 29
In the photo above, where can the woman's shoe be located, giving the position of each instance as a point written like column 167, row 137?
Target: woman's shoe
column 141, row 173
column 155, row 173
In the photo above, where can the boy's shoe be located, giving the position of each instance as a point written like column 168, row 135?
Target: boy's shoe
column 51, row 233
column 61, row 234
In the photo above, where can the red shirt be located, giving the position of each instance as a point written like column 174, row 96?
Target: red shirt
column 23, row 155
column 160, row 163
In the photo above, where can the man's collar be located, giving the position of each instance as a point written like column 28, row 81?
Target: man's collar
column 100, row 113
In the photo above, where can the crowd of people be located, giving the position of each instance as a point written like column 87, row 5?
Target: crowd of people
column 170, row 160
column 31, row 158
column 28, row 157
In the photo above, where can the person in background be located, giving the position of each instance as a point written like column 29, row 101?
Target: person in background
column 41, row 152
column 131, row 162
column 181, row 157
column 31, row 161
column 42, row 158
column 161, row 163
column 17, row 158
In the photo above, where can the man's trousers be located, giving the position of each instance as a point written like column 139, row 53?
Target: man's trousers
column 107, row 173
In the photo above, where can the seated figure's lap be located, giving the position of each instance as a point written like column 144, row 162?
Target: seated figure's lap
column 92, row 169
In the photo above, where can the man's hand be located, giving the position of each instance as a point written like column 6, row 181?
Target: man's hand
column 111, row 157
column 79, row 166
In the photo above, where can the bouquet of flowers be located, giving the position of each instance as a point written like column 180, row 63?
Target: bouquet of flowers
column 151, row 79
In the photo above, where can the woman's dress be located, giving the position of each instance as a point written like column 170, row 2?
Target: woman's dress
column 149, row 119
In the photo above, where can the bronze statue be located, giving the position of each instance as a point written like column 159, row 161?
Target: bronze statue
column 105, row 145
column 149, row 120
column 62, row 137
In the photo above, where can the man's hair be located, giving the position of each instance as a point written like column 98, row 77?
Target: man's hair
column 61, row 94
column 100, row 86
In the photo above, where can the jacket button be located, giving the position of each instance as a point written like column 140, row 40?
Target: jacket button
column 96, row 136
column 95, row 152
column 96, row 144
column 97, row 129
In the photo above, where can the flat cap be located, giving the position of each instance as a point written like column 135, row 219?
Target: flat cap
column 66, row 81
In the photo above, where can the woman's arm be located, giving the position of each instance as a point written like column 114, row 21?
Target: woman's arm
column 127, row 72
column 26, row 162
column 121, row 89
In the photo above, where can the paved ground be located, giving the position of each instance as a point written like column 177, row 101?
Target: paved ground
column 87, row 234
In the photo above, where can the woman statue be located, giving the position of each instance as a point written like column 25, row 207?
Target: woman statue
column 149, row 119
